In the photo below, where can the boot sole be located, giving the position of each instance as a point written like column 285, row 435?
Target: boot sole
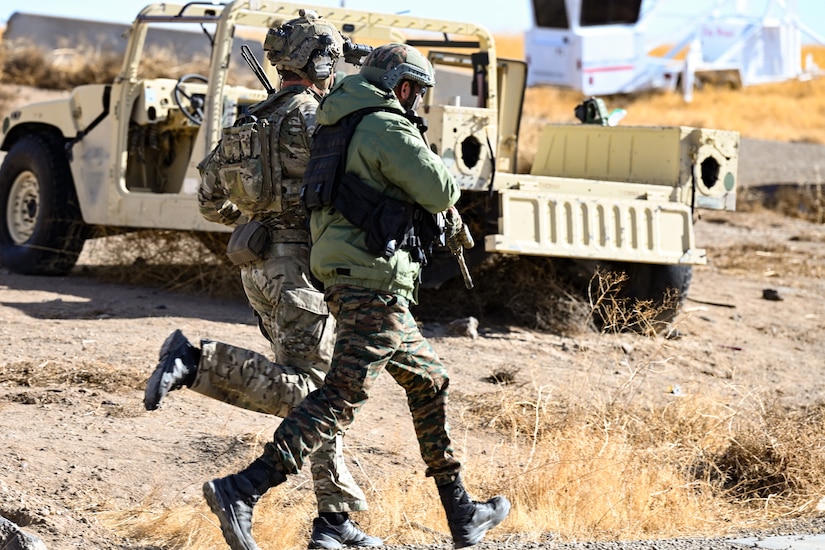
column 229, row 524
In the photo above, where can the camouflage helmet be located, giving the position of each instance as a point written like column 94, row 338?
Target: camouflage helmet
column 388, row 65
column 305, row 45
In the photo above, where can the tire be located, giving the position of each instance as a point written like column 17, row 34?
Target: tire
column 41, row 228
column 663, row 287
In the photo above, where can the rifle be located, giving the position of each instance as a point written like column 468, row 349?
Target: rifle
column 459, row 238
column 253, row 63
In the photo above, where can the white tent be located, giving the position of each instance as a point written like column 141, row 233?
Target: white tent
column 603, row 46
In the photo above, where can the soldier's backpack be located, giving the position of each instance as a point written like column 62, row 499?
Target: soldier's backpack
column 249, row 167
column 248, row 160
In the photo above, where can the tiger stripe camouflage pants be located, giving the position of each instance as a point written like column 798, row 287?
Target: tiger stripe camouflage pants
column 376, row 331
column 302, row 335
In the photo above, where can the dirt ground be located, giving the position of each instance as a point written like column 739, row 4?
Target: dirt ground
column 76, row 353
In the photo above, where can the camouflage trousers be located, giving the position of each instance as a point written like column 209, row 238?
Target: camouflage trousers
column 292, row 311
column 376, row 331
column 302, row 335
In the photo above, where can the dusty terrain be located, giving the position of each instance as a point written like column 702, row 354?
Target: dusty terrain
column 77, row 351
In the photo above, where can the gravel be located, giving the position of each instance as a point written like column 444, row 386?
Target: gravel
column 795, row 535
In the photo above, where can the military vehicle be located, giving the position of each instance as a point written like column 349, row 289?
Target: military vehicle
column 123, row 155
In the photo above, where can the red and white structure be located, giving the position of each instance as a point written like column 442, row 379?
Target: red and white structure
column 603, row 46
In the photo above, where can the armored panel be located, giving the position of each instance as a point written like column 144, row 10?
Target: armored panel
column 690, row 160
column 463, row 137
column 548, row 223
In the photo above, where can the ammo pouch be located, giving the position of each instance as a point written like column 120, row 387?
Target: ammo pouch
column 251, row 168
column 385, row 220
column 390, row 224
column 248, row 242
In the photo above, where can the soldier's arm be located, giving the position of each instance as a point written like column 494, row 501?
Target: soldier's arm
column 296, row 139
column 213, row 200
column 409, row 164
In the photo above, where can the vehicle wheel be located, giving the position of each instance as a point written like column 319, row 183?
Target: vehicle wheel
column 41, row 229
column 663, row 287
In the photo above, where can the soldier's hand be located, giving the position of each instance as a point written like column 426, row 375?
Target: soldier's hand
column 454, row 221
column 453, row 229
column 457, row 233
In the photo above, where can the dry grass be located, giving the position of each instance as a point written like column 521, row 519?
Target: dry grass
column 573, row 471
column 25, row 63
column 576, row 467
column 805, row 201
column 171, row 260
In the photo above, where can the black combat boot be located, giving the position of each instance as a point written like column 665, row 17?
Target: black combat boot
column 232, row 498
column 328, row 534
column 177, row 367
column 470, row 520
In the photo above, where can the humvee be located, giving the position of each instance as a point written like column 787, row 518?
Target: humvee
column 122, row 155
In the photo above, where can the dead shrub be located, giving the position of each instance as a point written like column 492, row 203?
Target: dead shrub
column 613, row 312
column 532, row 292
column 776, row 459
column 170, row 260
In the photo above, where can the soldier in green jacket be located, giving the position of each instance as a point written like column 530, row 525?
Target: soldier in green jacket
column 255, row 187
column 369, row 263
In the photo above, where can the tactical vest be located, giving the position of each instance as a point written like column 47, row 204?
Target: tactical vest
column 250, row 163
column 390, row 224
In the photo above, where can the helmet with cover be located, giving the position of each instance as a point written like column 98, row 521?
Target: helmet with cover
column 388, row 65
column 306, row 46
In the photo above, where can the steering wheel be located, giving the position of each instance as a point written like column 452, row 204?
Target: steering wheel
column 195, row 102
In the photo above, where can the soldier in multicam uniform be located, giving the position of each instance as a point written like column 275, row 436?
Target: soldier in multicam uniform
column 369, row 290
column 292, row 313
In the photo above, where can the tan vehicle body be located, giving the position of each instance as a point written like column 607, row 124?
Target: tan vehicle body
column 606, row 193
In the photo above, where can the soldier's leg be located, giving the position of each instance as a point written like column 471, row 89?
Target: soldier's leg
column 231, row 374
column 247, row 379
column 366, row 340
column 294, row 316
column 302, row 333
column 292, row 312
column 417, row 368
column 335, row 489
column 307, row 342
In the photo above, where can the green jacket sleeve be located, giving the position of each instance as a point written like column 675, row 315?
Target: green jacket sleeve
column 401, row 157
